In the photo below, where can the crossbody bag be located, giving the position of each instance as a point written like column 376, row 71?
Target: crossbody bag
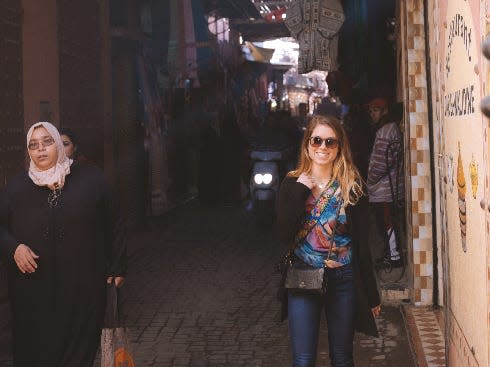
column 298, row 275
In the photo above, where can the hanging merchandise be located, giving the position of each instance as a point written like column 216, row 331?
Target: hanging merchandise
column 315, row 24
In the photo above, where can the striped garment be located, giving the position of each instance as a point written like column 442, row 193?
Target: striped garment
column 387, row 155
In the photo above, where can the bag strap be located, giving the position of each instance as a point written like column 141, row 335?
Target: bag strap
column 290, row 252
column 321, row 203
column 334, row 230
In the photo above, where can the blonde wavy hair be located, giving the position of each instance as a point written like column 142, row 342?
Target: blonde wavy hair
column 344, row 170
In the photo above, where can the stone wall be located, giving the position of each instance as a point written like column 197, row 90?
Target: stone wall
column 419, row 179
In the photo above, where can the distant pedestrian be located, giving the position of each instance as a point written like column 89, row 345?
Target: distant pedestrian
column 62, row 239
column 361, row 137
column 232, row 150
column 72, row 145
column 385, row 178
column 324, row 195
column 69, row 142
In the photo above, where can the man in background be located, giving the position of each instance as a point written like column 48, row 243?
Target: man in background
column 385, row 179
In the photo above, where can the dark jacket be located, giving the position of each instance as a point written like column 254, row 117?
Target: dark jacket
column 290, row 215
column 58, row 310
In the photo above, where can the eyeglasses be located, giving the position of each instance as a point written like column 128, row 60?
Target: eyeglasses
column 331, row 143
column 45, row 143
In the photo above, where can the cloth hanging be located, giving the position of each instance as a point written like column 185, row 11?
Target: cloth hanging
column 315, row 24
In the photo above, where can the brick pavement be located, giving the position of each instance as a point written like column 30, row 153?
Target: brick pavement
column 201, row 293
column 210, row 291
column 426, row 328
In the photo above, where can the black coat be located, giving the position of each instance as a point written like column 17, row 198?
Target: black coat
column 58, row 310
column 290, row 215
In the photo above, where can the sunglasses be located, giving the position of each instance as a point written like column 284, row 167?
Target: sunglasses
column 45, row 143
column 316, row 142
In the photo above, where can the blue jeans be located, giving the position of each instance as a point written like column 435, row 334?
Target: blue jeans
column 304, row 313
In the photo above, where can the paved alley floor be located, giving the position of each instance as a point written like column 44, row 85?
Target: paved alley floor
column 200, row 292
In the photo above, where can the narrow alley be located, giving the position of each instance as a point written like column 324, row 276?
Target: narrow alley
column 201, row 292
column 187, row 102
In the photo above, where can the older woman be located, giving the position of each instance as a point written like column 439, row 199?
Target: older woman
column 63, row 240
column 322, row 211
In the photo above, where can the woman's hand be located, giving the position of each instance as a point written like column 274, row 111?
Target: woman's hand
column 25, row 259
column 306, row 180
column 119, row 281
column 376, row 310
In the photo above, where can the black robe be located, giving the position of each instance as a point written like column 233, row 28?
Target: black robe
column 58, row 310
column 290, row 215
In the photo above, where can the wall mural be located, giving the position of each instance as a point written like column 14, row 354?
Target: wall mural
column 459, row 109
column 461, row 198
column 461, row 101
column 474, row 176
column 465, row 254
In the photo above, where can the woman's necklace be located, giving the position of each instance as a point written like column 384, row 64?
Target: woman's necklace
column 54, row 197
column 321, row 184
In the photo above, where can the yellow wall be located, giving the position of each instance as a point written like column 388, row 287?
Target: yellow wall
column 460, row 137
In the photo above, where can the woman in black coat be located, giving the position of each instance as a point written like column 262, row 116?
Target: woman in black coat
column 324, row 197
column 63, row 240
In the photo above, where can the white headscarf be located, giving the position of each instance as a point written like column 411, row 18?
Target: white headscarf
column 54, row 177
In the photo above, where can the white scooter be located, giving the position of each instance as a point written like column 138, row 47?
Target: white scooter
column 267, row 170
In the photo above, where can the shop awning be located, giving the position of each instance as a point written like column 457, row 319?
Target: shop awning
column 260, row 30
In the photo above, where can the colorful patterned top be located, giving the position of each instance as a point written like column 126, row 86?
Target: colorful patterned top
column 314, row 248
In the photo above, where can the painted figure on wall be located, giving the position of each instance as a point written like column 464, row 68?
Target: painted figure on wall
column 474, row 176
column 461, row 198
column 450, row 172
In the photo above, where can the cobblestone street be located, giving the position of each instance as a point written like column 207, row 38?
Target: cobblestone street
column 201, row 292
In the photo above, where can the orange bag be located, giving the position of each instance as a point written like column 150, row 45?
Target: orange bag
column 115, row 340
